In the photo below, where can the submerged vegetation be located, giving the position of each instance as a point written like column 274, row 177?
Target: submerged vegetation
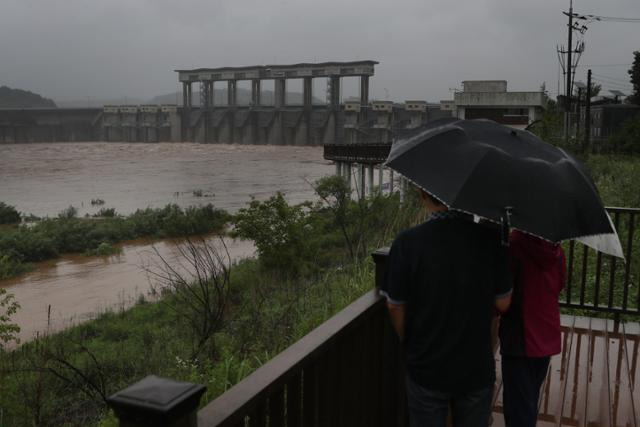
column 49, row 238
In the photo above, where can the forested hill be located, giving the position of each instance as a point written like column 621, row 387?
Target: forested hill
column 18, row 98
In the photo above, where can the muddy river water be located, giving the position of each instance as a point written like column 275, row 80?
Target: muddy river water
column 44, row 179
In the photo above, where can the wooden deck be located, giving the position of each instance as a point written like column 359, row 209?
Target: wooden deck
column 595, row 381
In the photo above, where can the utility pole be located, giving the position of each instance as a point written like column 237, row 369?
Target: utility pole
column 587, row 116
column 567, row 123
column 578, row 102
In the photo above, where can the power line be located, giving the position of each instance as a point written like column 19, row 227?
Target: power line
column 609, row 88
column 615, row 82
column 612, row 82
column 594, row 18
column 615, row 79
column 606, row 65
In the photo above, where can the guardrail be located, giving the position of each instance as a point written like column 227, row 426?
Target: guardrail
column 357, row 153
column 603, row 283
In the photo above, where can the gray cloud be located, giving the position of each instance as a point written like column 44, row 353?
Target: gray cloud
column 116, row 48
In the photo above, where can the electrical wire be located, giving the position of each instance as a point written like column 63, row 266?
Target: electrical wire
column 598, row 18
column 606, row 65
column 625, row 80
column 613, row 83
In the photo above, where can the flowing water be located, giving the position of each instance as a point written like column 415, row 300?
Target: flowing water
column 44, row 179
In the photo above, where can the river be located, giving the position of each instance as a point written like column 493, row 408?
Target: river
column 44, row 179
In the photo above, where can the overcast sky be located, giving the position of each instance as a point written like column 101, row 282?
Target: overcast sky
column 74, row 49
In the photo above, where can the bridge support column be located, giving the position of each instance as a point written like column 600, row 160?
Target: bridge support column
column 231, row 93
column 187, row 103
column 380, row 177
column 364, row 91
column 362, row 172
column 346, row 171
column 307, row 92
column 390, row 181
column 255, row 92
column 185, row 95
column 338, row 168
column 307, row 97
column 334, row 105
column 280, row 89
column 370, row 190
column 334, row 93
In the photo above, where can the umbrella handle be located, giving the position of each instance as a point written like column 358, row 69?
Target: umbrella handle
column 506, row 225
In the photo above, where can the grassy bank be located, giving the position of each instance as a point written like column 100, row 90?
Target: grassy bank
column 23, row 244
column 313, row 261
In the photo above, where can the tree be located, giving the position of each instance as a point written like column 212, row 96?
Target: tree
column 281, row 233
column 627, row 139
column 595, row 90
column 8, row 307
column 196, row 288
column 634, row 72
column 8, row 214
column 336, row 194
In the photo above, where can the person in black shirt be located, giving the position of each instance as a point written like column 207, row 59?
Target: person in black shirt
column 444, row 279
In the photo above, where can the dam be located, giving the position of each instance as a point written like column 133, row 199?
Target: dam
column 355, row 120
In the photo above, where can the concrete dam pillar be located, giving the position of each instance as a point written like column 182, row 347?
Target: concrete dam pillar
column 255, row 92
column 364, row 91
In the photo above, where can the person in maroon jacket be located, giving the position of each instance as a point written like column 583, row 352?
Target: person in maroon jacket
column 530, row 329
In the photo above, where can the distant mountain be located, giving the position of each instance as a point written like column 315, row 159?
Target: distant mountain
column 18, row 98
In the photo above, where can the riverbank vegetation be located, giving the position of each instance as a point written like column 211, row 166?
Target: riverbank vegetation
column 23, row 244
column 215, row 322
column 216, row 326
column 8, row 214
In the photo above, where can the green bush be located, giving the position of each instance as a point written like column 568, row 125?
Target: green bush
column 8, row 307
column 68, row 213
column 281, row 233
column 627, row 140
column 106, row 213
column 8, row 214
column 68, row 234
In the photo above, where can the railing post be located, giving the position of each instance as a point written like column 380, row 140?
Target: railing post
column 393, row 408
column 155, row 401
column 380, row 259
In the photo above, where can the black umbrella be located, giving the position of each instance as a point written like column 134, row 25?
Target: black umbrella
column 487, row 169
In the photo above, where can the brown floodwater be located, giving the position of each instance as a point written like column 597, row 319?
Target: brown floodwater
column 43, row 179
column 75, row 288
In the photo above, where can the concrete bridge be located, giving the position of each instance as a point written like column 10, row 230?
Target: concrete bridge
column 355, row 121
column 280, row 123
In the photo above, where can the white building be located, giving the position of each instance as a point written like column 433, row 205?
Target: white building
column 489, row 99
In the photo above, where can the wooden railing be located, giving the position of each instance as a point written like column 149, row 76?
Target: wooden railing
column 344, row 373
